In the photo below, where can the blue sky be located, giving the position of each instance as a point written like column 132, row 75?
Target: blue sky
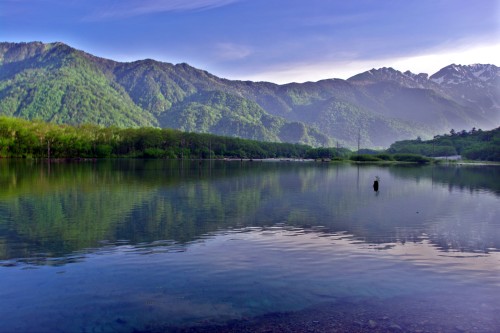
column 268, row 40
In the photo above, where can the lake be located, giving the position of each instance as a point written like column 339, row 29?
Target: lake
column 213, row 246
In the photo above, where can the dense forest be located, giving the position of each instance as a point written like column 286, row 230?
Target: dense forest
column 474, row 145
column 38, row 139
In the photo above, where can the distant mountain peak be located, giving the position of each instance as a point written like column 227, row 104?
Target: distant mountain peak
column 384, row 73
column 476, row 74
column 389, row 74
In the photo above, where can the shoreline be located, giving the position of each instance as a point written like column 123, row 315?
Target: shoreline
column 276, row 159
column 398, row 314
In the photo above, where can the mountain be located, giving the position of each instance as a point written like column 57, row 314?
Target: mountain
column 476, row 86
column 432, row 100
column 54, row 83
column 57, row 83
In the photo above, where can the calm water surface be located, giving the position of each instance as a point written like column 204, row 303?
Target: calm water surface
column 133, row 245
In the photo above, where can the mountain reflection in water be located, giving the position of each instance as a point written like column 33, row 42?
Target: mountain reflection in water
column 48, row 213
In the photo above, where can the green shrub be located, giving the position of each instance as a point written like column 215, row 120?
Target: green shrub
column 103, row 151
column 364, row 158
column 485, row 152
column 154, row 153
column 384, row 157
column 414, row 158
column 170, row 154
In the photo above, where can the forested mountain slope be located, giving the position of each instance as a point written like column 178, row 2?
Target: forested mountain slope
column 58, row 83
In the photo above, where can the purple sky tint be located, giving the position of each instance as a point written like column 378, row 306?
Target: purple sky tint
column 272, row 40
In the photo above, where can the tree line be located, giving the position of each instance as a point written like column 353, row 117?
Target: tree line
column 475, row 144
column 37, row 139
column 22, row 138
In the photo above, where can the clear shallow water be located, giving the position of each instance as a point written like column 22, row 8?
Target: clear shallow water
column 127, row 245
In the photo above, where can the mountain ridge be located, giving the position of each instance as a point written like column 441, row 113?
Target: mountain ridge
column 58, row 83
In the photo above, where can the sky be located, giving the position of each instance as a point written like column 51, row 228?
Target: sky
column 279, row 41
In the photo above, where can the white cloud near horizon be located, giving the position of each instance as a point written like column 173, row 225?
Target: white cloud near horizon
column 428, row 62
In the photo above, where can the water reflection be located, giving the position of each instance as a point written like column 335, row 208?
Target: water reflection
column 240, row 273
column 472, row 178
column 51, row 216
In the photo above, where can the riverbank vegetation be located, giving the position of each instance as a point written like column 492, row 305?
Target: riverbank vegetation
column 20, row 138
column 473, row 145
column 391, row 158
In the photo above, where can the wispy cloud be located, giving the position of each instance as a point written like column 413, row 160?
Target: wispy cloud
column 129, row 8
column 231, row 51
column 336, row 20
